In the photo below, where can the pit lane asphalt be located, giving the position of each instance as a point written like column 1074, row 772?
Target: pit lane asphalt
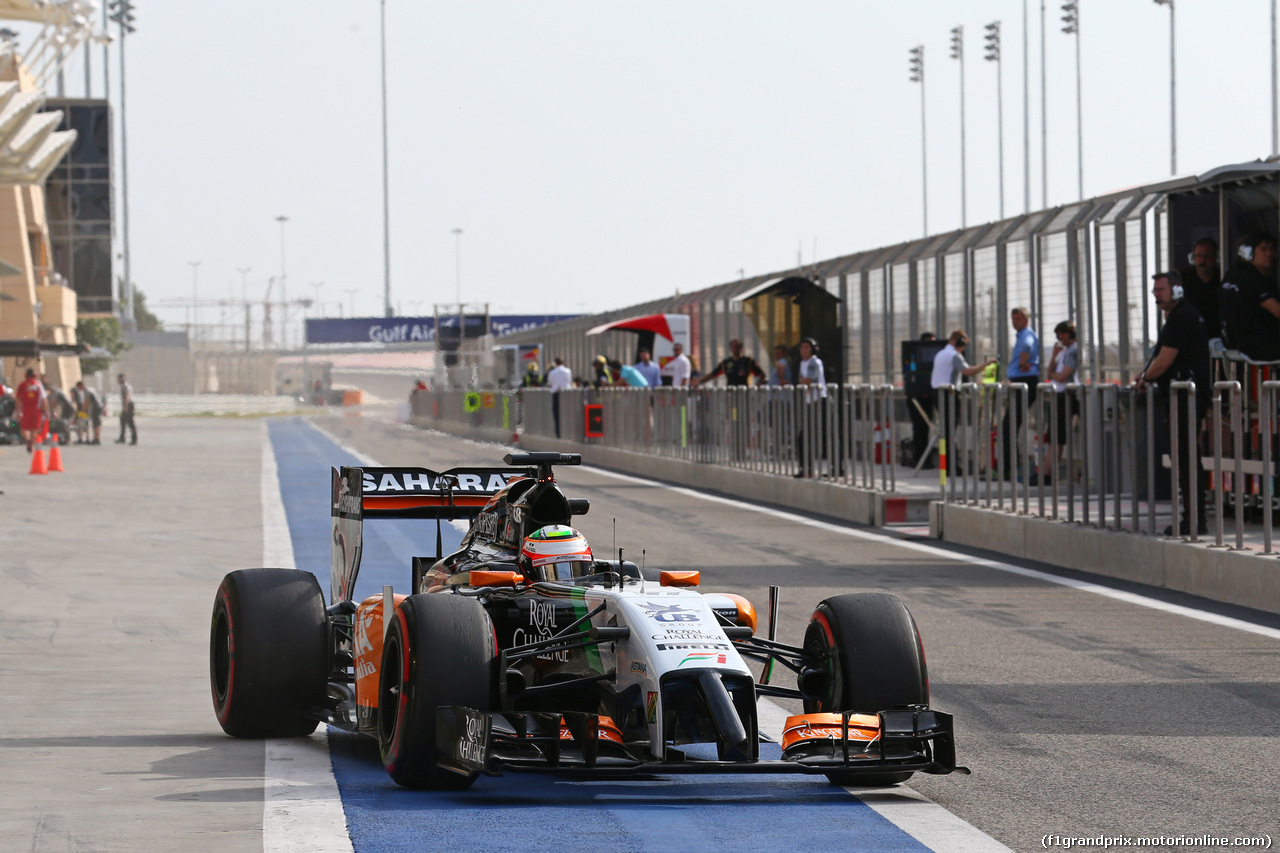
column 1080, row 715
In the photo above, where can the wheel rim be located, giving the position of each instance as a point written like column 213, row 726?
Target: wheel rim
column 390, row 690
column 820, row 652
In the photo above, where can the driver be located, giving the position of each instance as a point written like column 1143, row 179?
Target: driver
column 556, row 552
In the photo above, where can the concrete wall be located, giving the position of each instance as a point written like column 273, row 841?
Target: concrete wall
column 1246, row 578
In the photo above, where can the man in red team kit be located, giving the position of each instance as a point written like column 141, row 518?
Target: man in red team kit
column 33, row 408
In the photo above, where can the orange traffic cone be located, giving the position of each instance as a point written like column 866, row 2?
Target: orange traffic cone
column 37, row 462
column 55, row 455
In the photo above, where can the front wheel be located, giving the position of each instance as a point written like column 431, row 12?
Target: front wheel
column 868, row 649
column 440, row 650
column 268, row 653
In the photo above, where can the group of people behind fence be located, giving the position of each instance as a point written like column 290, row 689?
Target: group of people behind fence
column 1237, row 314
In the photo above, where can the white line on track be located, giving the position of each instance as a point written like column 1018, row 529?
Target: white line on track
column 301, row 809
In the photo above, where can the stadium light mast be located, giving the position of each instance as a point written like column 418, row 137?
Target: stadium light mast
column 1044, row 116
column 917, row 76
column 993, row 55
column 1173, row 92
column 957, row 53
column 386, row 180
column 122, row 14
column 1071, row 26
column 1026, row 113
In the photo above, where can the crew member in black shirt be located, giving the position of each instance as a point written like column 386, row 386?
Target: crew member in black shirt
column 1249, row 305
column 736, row 368
column 1201, row 283
column 1181, row 354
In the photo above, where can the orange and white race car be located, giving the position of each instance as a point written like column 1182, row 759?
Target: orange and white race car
column 523, row 650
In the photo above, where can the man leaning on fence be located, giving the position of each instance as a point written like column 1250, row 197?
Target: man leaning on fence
column 1181, row 354
column 949, row 368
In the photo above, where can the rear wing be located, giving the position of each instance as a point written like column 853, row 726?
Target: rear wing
column 360, row 493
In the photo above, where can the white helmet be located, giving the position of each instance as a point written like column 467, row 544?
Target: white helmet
column 556, row 552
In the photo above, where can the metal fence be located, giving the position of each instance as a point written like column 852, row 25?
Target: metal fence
column 1105, row 455
column 1098, row 454
column 848, row 437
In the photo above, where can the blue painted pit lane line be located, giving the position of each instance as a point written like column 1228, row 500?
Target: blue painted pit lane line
column 527, row 811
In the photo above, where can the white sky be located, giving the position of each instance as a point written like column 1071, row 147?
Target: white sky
column 598, row 154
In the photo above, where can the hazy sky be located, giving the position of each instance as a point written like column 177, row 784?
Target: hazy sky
column 598, row 154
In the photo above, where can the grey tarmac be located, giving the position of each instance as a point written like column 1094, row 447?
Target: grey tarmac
column 1080, row 715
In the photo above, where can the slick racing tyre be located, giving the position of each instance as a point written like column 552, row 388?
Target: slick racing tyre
column 869, row 651
column 268, row 652
column 439, row 651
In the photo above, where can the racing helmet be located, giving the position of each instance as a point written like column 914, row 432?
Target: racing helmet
column 556, row 552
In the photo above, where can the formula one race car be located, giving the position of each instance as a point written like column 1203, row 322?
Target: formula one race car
column 524, row 651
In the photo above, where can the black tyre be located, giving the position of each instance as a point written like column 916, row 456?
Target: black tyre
column 868, row 649
column 440, row 650
column 268, row 652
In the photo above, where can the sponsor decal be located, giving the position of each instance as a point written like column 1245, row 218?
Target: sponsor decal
column 688, row 634
column 487, row 525
column 471, row 744
column 667, row 647
column 653, row 706
column 671, row 613
column 640, row 667
column 702, row 657
column 382, row 481
column 542, row 626
column 813, row 733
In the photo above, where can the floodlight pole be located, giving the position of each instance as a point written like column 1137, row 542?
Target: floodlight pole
column 1026, row 114
column 993, row 55
column 386, row 180
column 1071, row 17
column 917, row 76
column 127, row 289
column 1044, row 117
column 1173, row 92
column 957, row 52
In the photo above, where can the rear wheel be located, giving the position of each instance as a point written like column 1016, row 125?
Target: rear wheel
column 439, row 651
column 868, row 649
column 268, row 652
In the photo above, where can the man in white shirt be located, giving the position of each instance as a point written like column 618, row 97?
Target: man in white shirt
column 558, row 379
column 812, row 376
column 949, row 368
column 678, row 368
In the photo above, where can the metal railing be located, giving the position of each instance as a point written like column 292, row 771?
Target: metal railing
column 847, row 437
column 1107, row 456
column 1101, row 455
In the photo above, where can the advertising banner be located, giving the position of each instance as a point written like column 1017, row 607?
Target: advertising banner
column 409, row 330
